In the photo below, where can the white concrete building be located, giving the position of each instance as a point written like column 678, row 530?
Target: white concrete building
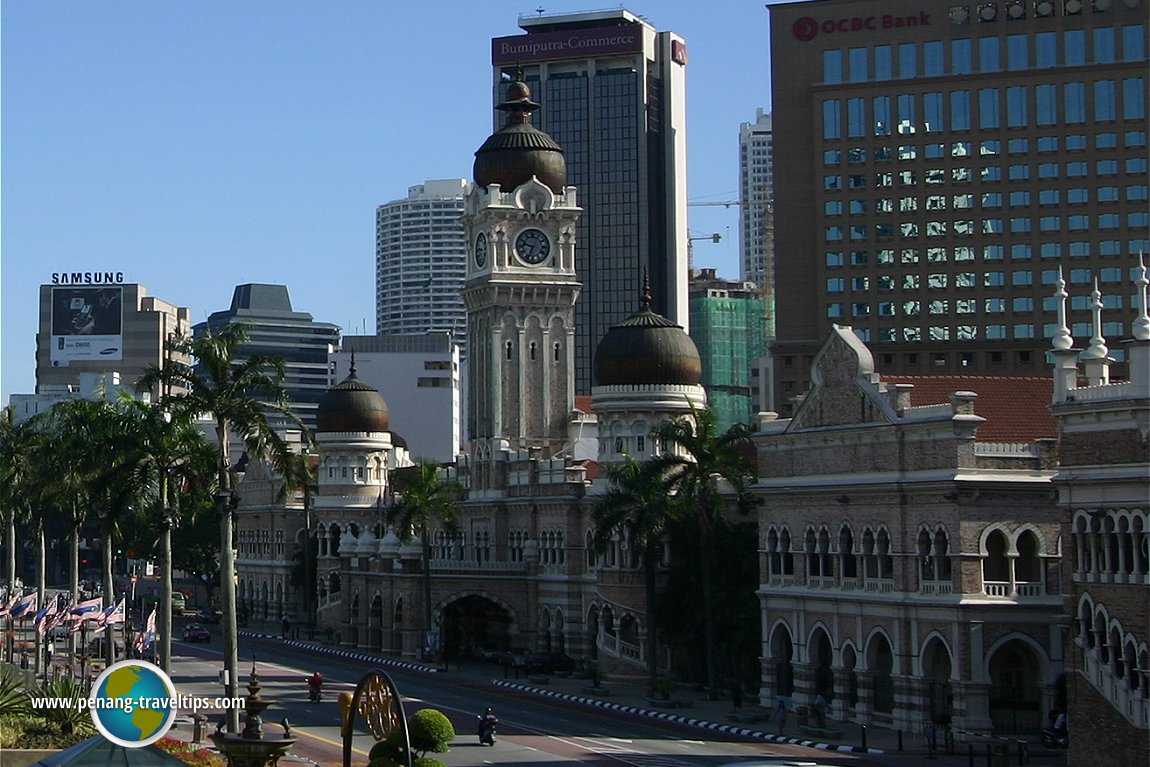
column 421, row 377
column 420, row 258
column 756, row 189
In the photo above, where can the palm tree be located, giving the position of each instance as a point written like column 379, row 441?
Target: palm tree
column 694, row 460
column 15, row 468
column 637, row 507
column 173, row 452
column 425, row 498
column 303, row 475
column 238, row 394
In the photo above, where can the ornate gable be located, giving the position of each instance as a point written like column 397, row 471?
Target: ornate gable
column 844, row 387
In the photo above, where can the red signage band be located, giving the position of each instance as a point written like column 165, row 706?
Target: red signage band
column 806, row 28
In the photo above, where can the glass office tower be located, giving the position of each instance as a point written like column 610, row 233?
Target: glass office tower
column 611, row 89
column 938, row 165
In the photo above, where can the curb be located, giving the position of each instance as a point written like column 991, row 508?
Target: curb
column 335, row 652
column 679, row 719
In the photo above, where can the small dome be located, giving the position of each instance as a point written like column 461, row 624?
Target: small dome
column 352, row 406
column 647, row 348
column 519, row 150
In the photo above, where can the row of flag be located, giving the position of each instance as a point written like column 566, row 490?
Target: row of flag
column 59, row 611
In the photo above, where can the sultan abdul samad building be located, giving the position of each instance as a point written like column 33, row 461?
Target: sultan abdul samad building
column 917, row 568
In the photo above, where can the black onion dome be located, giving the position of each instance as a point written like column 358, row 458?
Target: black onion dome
column 352, row 406
column 647, row 348
column 519, row 150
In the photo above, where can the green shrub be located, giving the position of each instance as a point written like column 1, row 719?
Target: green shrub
column 13, row 698
column 71, row 718
column 430, row 731
column 427, row 761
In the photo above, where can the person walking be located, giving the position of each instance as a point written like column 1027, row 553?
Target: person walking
column 781, row 716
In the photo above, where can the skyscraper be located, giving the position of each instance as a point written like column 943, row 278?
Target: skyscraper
column 420, row 259
column 939, row 165
column 612, row 91
column 728, row 325
column 273, row 328
column 756, row 188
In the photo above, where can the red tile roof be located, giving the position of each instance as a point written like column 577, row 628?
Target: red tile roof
column 1015, row 409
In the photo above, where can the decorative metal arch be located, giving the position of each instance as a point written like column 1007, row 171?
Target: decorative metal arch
column 377, row 698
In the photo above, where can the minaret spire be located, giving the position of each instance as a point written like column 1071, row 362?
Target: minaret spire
column 1142, row 322
column 1062, row 339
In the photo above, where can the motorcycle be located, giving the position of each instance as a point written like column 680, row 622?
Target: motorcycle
column 314, row 690
column 487, row 730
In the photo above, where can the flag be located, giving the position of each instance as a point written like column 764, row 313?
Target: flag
column 146, row 637
column 44, row 618
column 87, row 606
column 113, row 614
column 7, row 605
column 24, row 605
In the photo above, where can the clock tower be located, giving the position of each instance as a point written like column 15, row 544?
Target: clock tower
column 520, row 292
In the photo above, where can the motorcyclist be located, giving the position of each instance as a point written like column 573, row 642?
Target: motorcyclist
column 486, row 729
column 315, row 685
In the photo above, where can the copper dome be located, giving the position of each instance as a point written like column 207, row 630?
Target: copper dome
column 352, row 406
column 519, row 150
column 647, row 348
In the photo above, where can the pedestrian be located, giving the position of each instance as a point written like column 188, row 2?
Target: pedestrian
column 781, row 715
column 286, row 627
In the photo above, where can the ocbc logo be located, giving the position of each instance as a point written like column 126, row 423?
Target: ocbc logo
column 805, row 29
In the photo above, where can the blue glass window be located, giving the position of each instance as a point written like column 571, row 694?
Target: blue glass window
column 1104, row 45
column 856, row 118
column 1074, row 103
column 932, row 111
column 933, row 61
column 961, row 58
column 907, row 60
column 882, row 63
column 1074, row 47
column 1046, row 104
column 832, row 123
column 1133, row 43
column 1017, row 52
column 1105, row 106
column 832, row 67
column 1045, row 50
column 882, row 116
column 1133, row 98
column 906, row 115
column 857, row 62
column 960, row 110
column 1016, row 116
column 988, row 54
column 988, row 108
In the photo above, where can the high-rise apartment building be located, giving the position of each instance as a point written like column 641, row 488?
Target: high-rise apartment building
column 756, row 189
column 273, row 328
column 941, row 164
column 728, row 326
column 420, row 259
column 612, row 89
column 94, row 322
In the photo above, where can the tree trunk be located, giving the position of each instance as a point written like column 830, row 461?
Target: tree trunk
column 109, row 546
column 652, row 643
column 41, row 588
column 426, row 544
column 10, row 544
column 74, row 573
column 227, row 577
column 164, row 616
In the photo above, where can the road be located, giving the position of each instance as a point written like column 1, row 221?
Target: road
column 533, row 731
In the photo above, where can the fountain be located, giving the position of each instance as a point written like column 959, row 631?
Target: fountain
column 250, row 748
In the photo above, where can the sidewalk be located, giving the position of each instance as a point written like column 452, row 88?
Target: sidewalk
column 690, row 707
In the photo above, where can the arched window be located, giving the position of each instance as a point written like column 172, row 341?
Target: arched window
column 847, row 559
column 1028, row 566
column 996, row 567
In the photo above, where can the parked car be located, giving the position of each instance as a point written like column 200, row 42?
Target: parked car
column 548, row 663
column 197, row 633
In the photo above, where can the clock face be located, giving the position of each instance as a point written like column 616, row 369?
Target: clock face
column 532, row 246
column 481, row 250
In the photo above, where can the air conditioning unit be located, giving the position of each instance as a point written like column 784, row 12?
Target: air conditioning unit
column 1072, row 7
column 987, row 12
column 959, row 14
column 1044, row 9
column 1016, row 9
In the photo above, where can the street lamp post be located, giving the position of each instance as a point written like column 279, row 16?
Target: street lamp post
column 165, row 617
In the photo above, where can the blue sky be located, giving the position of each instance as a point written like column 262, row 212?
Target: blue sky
column 196, row 146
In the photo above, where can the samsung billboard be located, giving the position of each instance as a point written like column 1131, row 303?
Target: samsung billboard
column 87, row 324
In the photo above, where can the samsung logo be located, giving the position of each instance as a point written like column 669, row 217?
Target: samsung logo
column 87, row 278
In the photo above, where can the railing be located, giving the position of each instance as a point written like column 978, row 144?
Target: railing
column 937, row 588
column 1003, row 589
column 821, row 582
column 781, row 581
column 1116, row 691
column 879, row 586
